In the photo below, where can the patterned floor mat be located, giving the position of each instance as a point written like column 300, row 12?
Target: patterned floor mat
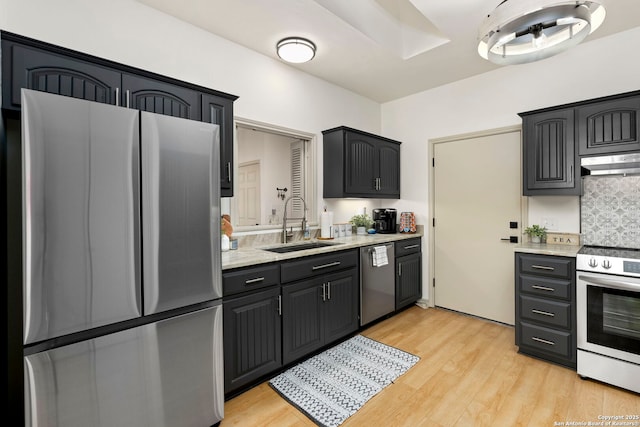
column 333, row 385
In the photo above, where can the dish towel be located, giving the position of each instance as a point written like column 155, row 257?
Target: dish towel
column 380, row 256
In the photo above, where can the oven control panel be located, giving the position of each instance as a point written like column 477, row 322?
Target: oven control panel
column 608, row 265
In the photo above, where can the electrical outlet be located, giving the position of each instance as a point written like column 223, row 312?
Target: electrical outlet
column 549, row 222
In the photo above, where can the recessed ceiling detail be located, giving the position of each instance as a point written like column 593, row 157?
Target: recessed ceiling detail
column 395, row 25
column 389, row 49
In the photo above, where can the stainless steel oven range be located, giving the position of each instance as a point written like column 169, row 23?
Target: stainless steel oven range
column 608, row 315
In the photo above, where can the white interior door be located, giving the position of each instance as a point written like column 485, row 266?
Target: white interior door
column 248, row 193
column 477, row 193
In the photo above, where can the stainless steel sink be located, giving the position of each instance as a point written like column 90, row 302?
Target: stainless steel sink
column 298, row 247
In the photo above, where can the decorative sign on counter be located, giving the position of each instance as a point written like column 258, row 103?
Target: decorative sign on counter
column 570, row 239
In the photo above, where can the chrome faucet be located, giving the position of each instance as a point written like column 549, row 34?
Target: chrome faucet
column 285, row 234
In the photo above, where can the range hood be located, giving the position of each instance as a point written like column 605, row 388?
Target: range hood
column 619, row 164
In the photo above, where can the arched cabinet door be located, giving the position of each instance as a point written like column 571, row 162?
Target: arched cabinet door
column 362, row 163
column 159, row 97
column 549, row 159
column 36, row 69
column 609, row 127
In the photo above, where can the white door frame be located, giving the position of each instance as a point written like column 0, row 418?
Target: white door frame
column 443, row 140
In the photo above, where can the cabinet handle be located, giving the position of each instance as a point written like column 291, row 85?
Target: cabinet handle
column 399, row 269
column 543, row 341
column 378, row 183
column 117, row 97
column 324, row 292
column 256, row 280
column 320, row 267
column 544, row 313
column 542, row 288
column 128, row 97
column 329, row 290
column 279, row 305
column 411, row 246
column 228, row 171
column 542, row 267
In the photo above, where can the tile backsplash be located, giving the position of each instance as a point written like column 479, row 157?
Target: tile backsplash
column 610, row 211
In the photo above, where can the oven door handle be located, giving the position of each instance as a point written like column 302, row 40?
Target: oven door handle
column 616, row 284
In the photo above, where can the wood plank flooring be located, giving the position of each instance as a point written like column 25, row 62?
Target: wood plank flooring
column 469, row 374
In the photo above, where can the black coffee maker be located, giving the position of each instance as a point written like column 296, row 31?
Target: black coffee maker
column 384, row 220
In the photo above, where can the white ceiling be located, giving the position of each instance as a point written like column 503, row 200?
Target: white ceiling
column 381, row 49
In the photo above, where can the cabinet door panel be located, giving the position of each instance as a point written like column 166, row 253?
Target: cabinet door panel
column 219, row 111
column 252, row 338
column 341, row 304
column 389, row 169
column 32, row 68
column 609, row 127
column 361, row 161
column 549, row 161
column 408, row 279
column 158, row 97
column 302, row 330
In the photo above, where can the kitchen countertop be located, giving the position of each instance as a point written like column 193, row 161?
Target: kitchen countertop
column 243, row 257
column 547, row 249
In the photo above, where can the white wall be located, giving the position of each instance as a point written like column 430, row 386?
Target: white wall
column 131, row 33
column 492, row 100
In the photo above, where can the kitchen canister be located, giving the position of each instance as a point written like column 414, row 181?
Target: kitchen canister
column 407, row 222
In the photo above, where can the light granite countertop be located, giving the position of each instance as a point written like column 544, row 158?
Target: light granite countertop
column 548, row 249
column 248, row 256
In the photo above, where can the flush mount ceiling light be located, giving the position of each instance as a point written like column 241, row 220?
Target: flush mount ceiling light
column 296, row 50
column 521, row 31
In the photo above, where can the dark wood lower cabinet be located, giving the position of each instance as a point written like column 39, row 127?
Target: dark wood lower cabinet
column 252, row 337
column 408, row 271
column 546, row 307
column 408, row 279
column 318, row 311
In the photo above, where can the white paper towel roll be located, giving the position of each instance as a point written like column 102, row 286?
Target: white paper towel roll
column 326, row 224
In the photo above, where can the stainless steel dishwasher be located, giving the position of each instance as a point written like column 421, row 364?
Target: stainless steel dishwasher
column 377, row 284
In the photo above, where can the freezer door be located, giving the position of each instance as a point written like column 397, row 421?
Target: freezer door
column 180, row 212
column 164, row 374
column 80, row 215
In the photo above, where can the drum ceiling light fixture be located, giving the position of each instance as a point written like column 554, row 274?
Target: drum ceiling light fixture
column 296, row 50
column 521, row 31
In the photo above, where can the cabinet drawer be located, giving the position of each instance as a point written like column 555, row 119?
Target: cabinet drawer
column 546, row 265
column 546, row 287
column 409, row 246
column 249, row 279
column 553, row 313
column 548, row 340
column 319, row 264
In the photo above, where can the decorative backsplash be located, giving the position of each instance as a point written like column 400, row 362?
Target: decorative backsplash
column 610, row 211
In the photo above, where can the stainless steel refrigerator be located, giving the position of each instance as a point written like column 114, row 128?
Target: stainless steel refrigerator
column 122, row 320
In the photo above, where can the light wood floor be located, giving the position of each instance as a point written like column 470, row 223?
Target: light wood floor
column 469, row 374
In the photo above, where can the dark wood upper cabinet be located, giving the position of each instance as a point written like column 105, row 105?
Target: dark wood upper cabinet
column 219, row 111
column 556, row 138
column 33, row 68
column 549, row 160
column 360, row 164
column 32, row 64
column 609, row 127
column 158, row 97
